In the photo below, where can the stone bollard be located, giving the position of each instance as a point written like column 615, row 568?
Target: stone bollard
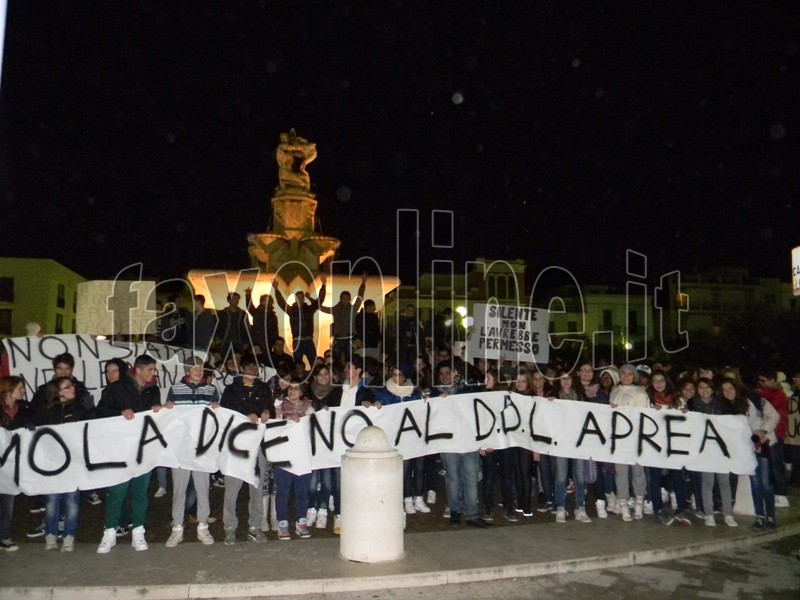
column 372, row 494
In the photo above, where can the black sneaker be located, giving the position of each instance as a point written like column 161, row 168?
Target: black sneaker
column 546, row 507
column 478, row 522
column 455, row 518
column 8, row 546
column 771, row 524
column 36, row 532
column 511, row 516
column 759, row 523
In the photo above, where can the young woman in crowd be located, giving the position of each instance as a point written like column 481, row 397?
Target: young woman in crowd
column 497, row 463
column 291, row 408
column 324, row 482
column 707, row 402
column 523, row 458
column 606, row 499
column 664, row 397
column 568, row 388
column 541, row 387
column 15, row 414
column 762, row 418
column 627, row 393
column 61, row 405
column 399, row 388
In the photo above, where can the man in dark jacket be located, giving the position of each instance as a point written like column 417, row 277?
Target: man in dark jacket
column 252, row 397
column 126, row 397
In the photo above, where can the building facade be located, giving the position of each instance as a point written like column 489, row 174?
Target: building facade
column 37, row 290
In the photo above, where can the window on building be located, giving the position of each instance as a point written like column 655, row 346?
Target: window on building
column 6, row 289
column 716, row 303
column 74, row 302
column 61, row 301
column 633, row 322
column 59, row 324
column 608, row 321
column 5, row 321
column 491, row 286
column 502, row 292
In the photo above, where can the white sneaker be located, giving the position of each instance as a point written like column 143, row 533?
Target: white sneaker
column 648, row 507
column 203, row 535
column 420, row 506
column 337, row 524
column 612, row 504
column 446, row 513
column 730, row 521
column 580, row 515
column 50, row 542
column 625, row 511
column 431, row 499
column 664, row 496
column 561, row 515
column 69, row 544
column 673, row 500
column 160, row 492
column 408, row 506
column 176, row 537
column 137, row 539
column 311, row 516
column 322, row 518
column 638, row 510
column 781, row 502
column 709, row 520
column 108, row 542
column 602, row 513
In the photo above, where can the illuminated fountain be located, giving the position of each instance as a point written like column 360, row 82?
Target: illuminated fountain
column 293, row 251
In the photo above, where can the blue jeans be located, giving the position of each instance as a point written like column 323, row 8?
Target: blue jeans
column 762, row 488
column 562, row 466
column 6, row 513
column 304, row 347
column 461, row 482
column 285, row 481
column 71, row 501
column 328, row 484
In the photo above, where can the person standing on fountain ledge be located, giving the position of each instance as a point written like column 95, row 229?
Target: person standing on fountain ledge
column 126, row 397
column 301, row 319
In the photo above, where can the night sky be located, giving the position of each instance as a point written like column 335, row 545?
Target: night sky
column 562, row 133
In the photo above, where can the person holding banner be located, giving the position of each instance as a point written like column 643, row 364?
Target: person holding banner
column 249, row 396
column 15, row 414
column 569, row 388
column 126, row 397
column 461, row 468
column 61, row 405
column 193, row 390
column 627, row 393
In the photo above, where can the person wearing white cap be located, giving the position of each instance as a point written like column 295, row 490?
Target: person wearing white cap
column 627, row 393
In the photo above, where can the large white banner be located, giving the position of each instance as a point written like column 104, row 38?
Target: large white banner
column 31, row 358
column 100, row 453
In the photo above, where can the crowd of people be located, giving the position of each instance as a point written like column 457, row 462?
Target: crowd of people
column 481, row 486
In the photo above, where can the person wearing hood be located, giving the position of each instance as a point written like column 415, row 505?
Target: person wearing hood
column 627, row 393
column 398, row 389
column 250, row 396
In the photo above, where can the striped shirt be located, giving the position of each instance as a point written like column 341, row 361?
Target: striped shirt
column 185, row 393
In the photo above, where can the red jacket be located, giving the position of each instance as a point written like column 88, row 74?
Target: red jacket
column 777, row 398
